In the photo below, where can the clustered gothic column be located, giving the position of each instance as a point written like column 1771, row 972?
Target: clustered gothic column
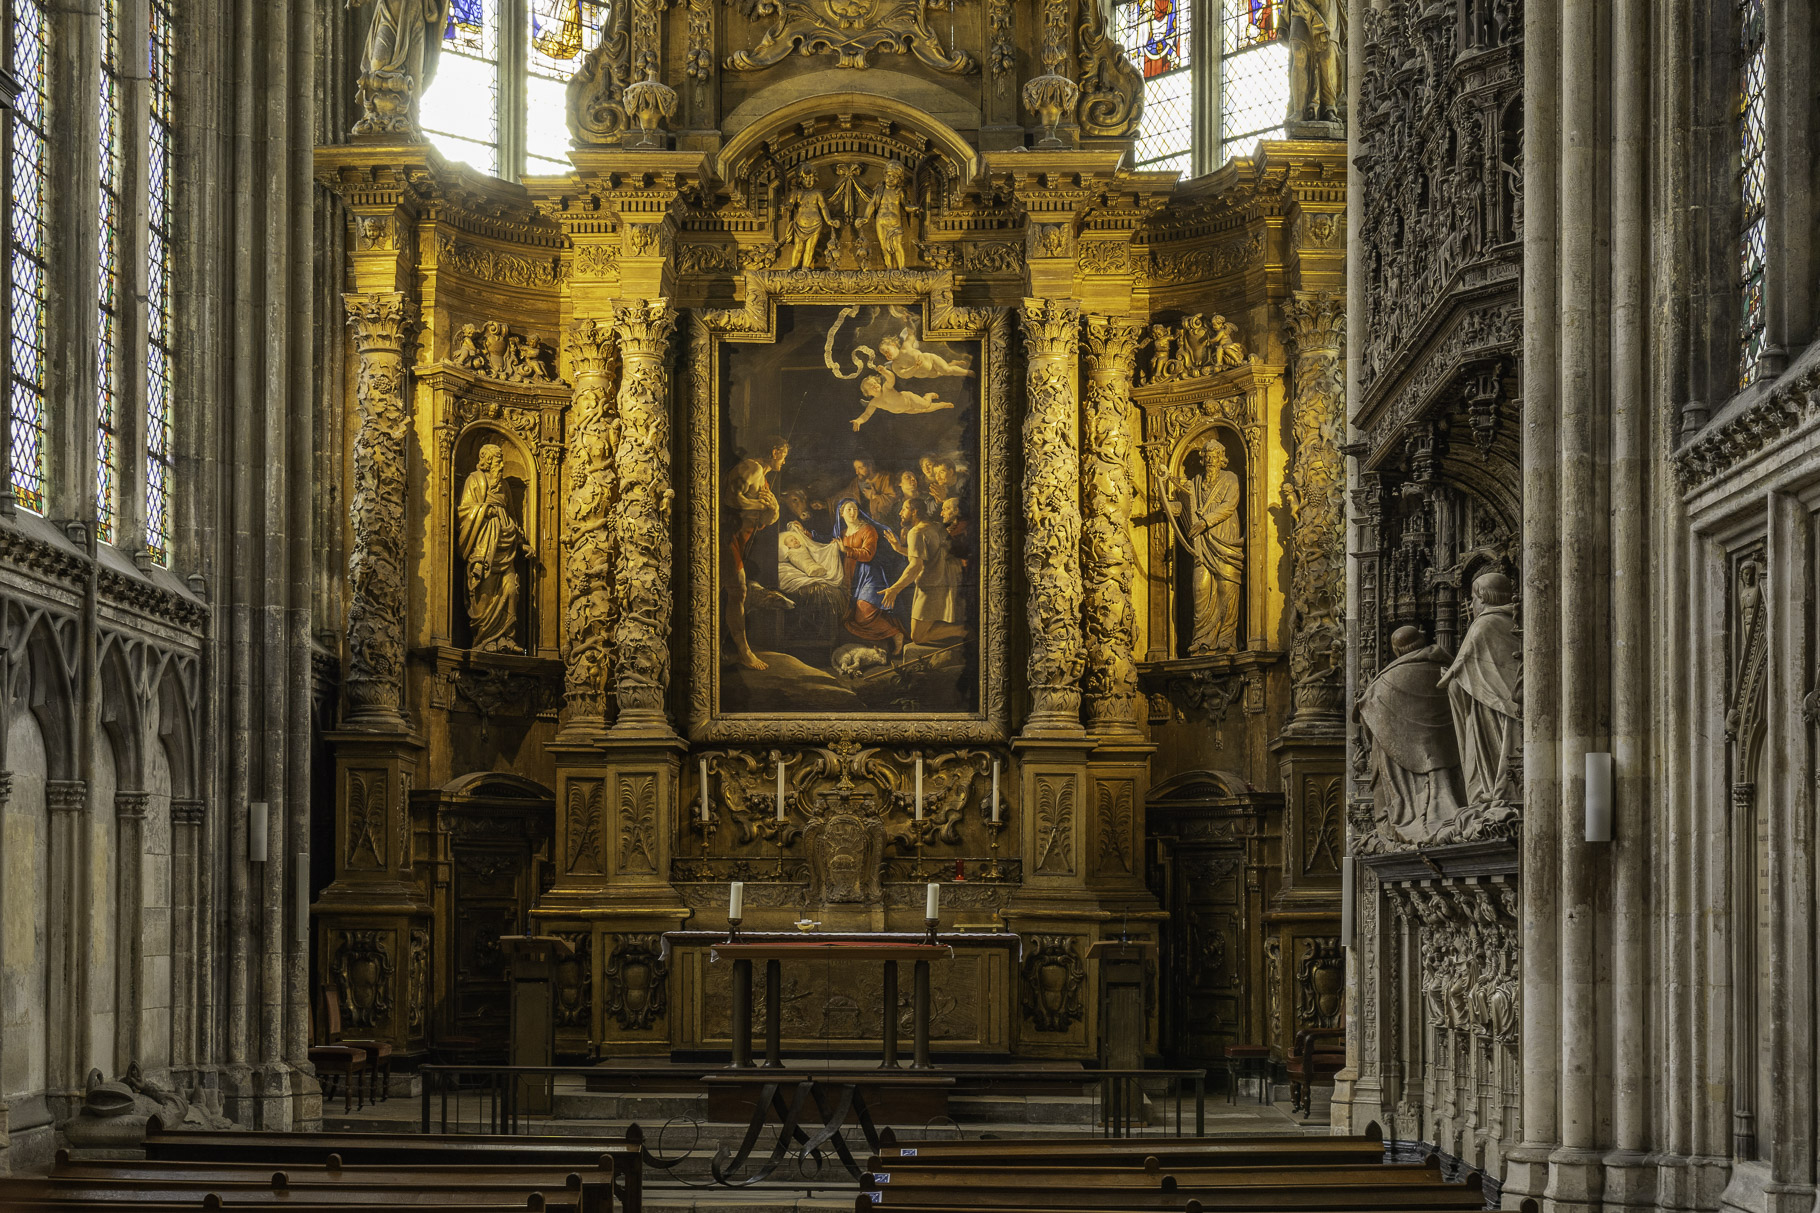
column 1316, row 490
column 1108, row 559
column 642, row 598
column 588, row 535
column 67, row 928
column 376, row 615
column 1052, row 518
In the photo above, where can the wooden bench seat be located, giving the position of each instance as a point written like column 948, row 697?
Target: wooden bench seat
column 979, row 1193
column 559, row 1198
column 908, row 1174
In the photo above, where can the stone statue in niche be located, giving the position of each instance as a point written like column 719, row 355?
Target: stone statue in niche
column 1485, row 688
column 397, row 61
column 1205, row 511
column 886, row 211
column 491, row 542
column 1415, row 764
column 1315, row 29
column 806, row 218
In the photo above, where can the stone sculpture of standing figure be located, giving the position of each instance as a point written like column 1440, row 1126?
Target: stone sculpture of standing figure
column 490, row 543
column 1209, row 513
column 1485, row 686
column 1315, row 30
column 1415, row 763
column 885, row 210
column 806, row 217
column 397, row 61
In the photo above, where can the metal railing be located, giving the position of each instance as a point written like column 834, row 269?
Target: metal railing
column 519, row 1099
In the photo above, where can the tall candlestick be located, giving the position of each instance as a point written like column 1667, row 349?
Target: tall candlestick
column 932, row 901
column 780, row 787
column 704, row 791
column 995, row 791
column 919, row 787
column 736, row 901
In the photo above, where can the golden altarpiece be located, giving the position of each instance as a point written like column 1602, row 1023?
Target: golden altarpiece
column 851, row 474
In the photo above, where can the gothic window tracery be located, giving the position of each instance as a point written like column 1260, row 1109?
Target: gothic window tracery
column 1254, row 74
column 561, row 32
column 1156, row 34
column 460, row 109
column 1752, row 242
column 30, row 61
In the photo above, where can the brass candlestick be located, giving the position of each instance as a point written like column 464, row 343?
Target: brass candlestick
column 993, row 871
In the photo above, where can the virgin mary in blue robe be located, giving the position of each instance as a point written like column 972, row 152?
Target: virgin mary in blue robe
column 871, row 565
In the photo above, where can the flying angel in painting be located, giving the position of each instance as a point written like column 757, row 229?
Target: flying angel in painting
column 880, row 391
column 907, row 358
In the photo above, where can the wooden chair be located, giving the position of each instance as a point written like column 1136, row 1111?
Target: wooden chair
column 339, row 1062
column 379, row 1052
column 1320, row 1053
column 1246, row 1059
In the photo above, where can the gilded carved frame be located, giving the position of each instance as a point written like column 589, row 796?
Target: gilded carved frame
column 756, row 322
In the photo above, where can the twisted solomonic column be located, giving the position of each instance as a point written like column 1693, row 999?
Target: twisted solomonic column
column 1316, row 491
column 642, row 598
column 1052, row 517
column 1108, row 559
column 382, row 323
column 589, row 492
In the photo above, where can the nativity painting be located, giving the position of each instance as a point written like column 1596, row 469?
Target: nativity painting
column 849, row 571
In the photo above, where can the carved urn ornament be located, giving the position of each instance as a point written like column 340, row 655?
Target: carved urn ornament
column 650, row 101
column 1050, row 96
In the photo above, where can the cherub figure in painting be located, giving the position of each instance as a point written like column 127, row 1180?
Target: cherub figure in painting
column 907, row 358
column 880, row 391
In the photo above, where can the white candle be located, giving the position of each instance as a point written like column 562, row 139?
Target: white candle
column 932, row 901
column 704, row 791
column 780, row 787
column 919, row 787
column 736, row 901
column 995, row 791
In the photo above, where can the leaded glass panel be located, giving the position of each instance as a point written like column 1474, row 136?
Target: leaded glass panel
column 158, row 290
column 1254, row 74
column 1753, row 237
column 31, row 52
column 107, row 319
column 459, row 112
column 561, row 33
column 1157, row 37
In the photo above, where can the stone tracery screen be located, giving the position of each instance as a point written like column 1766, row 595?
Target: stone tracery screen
column 847, row 468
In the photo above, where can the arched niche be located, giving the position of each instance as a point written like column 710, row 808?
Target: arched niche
column 518, row 492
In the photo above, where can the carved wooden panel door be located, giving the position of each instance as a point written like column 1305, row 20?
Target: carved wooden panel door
column 492, row 882
column 1205, row 951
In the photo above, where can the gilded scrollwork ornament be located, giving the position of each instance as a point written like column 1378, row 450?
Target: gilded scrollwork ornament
column 382, row 324
column 849, row 31
column 595, row 100
column 641, row 591
column 1111, row 101
column 1108, row 558
column 1052, row 516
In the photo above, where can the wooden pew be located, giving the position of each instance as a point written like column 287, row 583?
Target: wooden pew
column 907, row 1174
column 417, row 1150
column 410, row 1188
column 986, row 1191
column 1168, row 1151
column 533, row 1203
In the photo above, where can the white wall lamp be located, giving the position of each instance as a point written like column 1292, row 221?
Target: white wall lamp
column 258, row 820
column 1348, row 890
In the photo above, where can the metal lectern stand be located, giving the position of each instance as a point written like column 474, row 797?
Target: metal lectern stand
column 531, row 960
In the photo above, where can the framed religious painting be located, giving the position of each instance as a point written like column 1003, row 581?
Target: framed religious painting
column 849, row 515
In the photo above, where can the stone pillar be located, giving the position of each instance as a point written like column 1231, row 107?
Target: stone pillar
column 66, row 933
column 129, row 902
column 1108, row 560
column 188, row 877
column 642, row 599
column 1052, row 518
column 1316, row 492
column 590, row 491
column 382, row 322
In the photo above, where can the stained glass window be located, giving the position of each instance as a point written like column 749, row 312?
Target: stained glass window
column 1752, row 250
column 107, row 317
column 460, row 110
column 31, row 53
column 158, row 290
column 562, row 31
column 1156, row 36
column 1254, row 74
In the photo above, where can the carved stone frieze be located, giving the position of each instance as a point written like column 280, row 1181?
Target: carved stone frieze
column 376, row 561
column 1766, row 423
column 1193, row 348
column 641, row 587
column 1169, row 265
column 1052, row 516
column 1108, row 558
column 493, row 265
